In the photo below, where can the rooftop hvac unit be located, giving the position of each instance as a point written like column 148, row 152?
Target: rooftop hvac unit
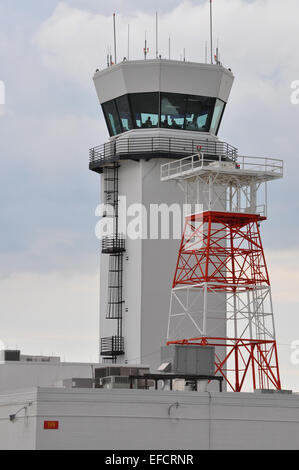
column 115, row 382
column 188, row 360
column 78, row 383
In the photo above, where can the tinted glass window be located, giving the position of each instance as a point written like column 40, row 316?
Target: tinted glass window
column 219, row 107
column 124, row 112
column 199, row 113
column 145, row 108
column 173, row 110
column 112, row 119
column 165, row 110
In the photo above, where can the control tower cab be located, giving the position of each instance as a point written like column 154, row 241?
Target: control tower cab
column 164, row 104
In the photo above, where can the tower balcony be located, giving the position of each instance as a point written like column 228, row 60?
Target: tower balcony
column 157, row 146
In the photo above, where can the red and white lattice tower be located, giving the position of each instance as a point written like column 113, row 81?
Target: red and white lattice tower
column 221, row 256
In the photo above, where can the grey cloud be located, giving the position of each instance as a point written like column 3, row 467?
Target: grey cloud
column 48, row 195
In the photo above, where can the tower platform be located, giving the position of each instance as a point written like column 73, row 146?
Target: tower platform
column 157, row 144
column 244, row 168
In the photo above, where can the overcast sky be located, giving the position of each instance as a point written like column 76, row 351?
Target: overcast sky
column 49, row 51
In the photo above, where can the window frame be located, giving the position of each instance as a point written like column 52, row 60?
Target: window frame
column 210, row 113
column 130, row 95
column 160, row 95
column 185, row 98
column 113, row 102
column 129, row 109
column 220, row 120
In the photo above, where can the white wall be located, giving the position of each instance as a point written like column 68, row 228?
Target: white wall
column 130, row 185
column 148, row 271
column 21, row 434
column 124, row 420
column 163, row 75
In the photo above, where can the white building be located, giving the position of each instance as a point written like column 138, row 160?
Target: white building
column 40, row 371
column 137, row 419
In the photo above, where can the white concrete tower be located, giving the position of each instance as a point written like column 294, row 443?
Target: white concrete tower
column 156, row 111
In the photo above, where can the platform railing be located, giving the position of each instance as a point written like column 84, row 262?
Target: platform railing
column 114, row 244
column 203, row 161
column 159, row 145
column 113, row 346
column 265, row 164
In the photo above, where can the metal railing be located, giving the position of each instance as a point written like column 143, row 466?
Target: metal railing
column 114, row 244
column 264, row 164
column 113, row 346
column 202, row 160
column 160, row 145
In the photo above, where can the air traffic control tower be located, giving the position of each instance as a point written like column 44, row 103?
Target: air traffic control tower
column 156, row 111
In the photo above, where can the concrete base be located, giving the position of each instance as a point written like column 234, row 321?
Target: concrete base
column 136, row 419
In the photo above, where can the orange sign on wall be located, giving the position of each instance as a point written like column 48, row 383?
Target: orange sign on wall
column 51, row 425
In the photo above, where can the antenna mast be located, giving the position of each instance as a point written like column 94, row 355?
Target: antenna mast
column 217, row 53
column 211, row 29
column 128, row 42
column 146, row 50
column 157, row 35
column 114, row 28
column 110, row 56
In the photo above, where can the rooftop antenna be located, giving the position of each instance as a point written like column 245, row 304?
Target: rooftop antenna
column 146, row 49
column 114, row 28
column 157, row 35
column 184, row 55
column 128, row 42
column 206, row 52
column 211, row 30
column 107, row 56
column 169, row 48
column 111, row 60
column 217, row 55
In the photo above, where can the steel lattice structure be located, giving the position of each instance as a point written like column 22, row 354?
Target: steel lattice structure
column 222, row 252
column 222, row 249
column 221, row 259
column 243, row 356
